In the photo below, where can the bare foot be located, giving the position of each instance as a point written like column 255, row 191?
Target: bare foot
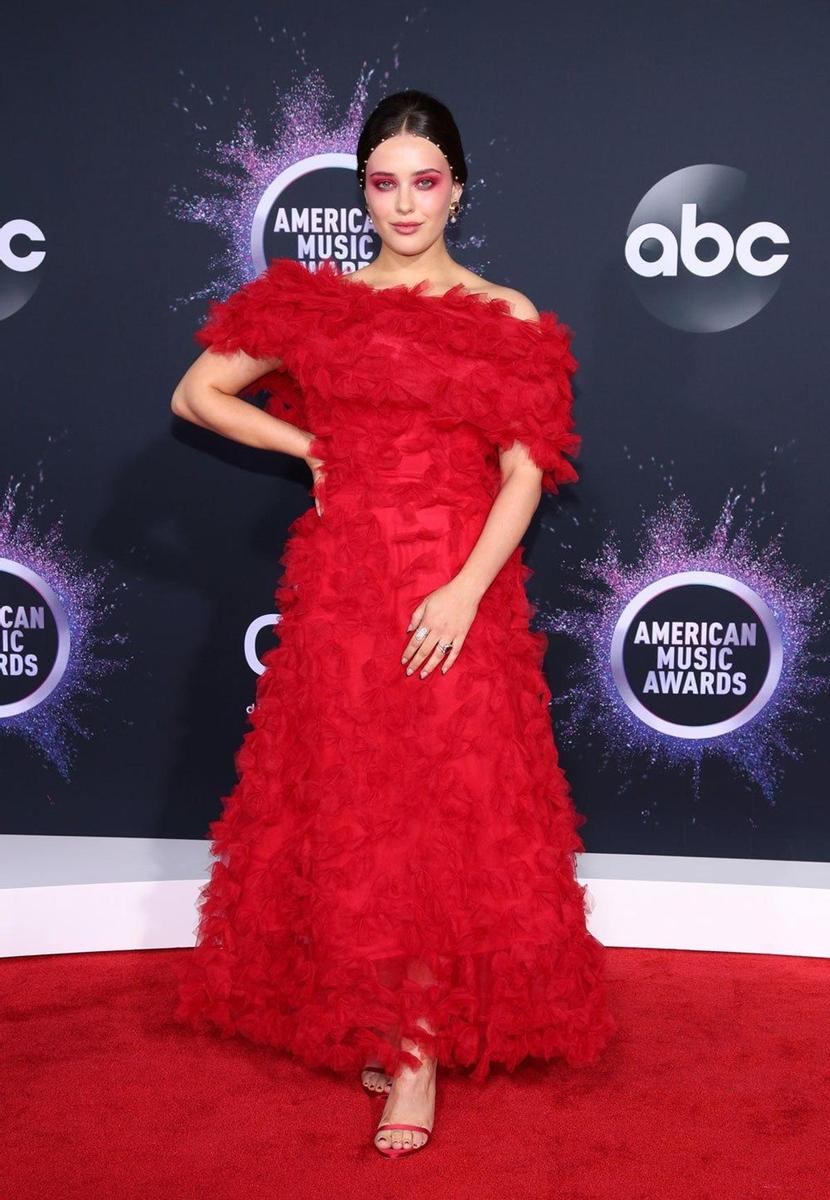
column 375, row 1078
column 411, row 1100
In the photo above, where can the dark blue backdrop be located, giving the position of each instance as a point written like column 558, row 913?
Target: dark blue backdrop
column 569, row 114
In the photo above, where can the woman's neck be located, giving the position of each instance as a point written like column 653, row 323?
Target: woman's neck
column 433, row 264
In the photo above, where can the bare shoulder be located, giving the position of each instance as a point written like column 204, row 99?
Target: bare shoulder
column 521, row 306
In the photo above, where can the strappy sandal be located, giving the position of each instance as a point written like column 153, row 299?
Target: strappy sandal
column 397, row 1151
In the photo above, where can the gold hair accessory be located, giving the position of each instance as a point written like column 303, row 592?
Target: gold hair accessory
column 386, row 139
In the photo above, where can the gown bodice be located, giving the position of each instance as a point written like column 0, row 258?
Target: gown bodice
column 409, row 394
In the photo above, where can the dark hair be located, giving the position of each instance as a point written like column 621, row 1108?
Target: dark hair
column 417, row 113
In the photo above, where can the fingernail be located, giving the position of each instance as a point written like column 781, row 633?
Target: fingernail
column 409, row 670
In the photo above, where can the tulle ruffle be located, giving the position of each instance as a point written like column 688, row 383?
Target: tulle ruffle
column 476, row 362
column 399, row 854
column 393, row 856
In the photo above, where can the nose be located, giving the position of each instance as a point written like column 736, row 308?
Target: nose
column 404, row 202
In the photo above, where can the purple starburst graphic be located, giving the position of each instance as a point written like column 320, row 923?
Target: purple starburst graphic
column 304, row 124
column 671, row 541
column 85, row 600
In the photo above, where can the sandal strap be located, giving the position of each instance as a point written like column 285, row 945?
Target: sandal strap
column 420, row 1128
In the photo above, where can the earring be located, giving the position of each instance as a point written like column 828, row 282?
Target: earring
column 454, row 210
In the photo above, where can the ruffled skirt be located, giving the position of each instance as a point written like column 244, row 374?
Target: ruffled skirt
column 397, row 856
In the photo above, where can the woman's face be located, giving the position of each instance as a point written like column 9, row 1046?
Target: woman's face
column 408, row 182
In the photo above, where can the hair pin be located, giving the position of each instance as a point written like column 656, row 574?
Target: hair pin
column 386, row 139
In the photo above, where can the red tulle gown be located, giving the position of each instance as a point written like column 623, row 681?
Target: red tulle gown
column 399, row 849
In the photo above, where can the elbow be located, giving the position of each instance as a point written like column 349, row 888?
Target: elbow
column 186, row 403
column 179, row 405
column 529, row 474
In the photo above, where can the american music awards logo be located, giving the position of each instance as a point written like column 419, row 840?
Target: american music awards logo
column 55, row 646
column 34, row 638
column 703, row 645
column 310, row 211
column 696, row 654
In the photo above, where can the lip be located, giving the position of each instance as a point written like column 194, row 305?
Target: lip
column 406, row 226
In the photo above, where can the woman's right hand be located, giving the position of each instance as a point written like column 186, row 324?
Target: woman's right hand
column 318, row 475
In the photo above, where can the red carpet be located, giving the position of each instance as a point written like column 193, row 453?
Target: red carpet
column 716, row 1086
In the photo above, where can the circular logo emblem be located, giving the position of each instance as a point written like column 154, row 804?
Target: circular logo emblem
column 252, row 657
column 34, row 639
column 311, row 212
column 21, row 254
column 696, row 654
column 700, row 258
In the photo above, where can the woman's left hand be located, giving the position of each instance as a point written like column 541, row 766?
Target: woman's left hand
column 318, row 476
column 447, row 613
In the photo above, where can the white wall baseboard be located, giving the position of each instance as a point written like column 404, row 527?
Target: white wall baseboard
column 65, row 895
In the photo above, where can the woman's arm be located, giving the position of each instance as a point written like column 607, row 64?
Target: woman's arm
column 450, row 610
column 518, row 499
column 507, row 521
column 206, row 396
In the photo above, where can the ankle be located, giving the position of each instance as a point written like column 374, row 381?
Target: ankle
column 422, row 1076
column 412, row 1046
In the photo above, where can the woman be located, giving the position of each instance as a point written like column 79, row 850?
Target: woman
column 394, row 883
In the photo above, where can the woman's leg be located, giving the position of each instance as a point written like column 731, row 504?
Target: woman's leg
column 411, row 1096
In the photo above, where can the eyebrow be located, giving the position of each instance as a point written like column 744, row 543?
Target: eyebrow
column 423, row 171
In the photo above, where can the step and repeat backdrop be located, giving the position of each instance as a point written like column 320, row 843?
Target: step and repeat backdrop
column 655, row 175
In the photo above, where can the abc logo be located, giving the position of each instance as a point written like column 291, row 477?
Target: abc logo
column 21, row 253
column 16, row 242
column 700, row 259
column 691, row 235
